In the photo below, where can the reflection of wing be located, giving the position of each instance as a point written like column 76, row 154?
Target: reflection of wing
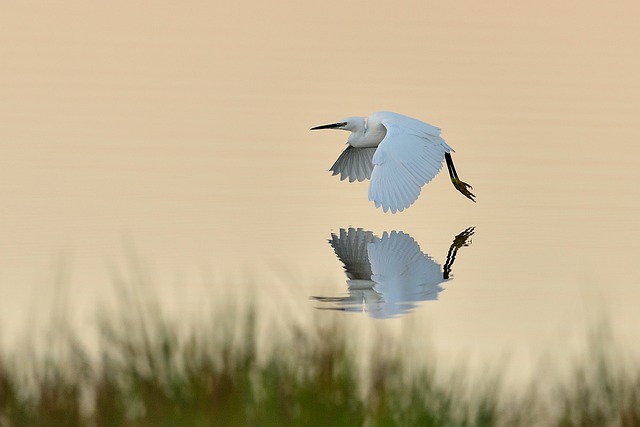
column 351, row 249
column 409, row 156
column 402, row 273
column 388, row 276
column 354, row 163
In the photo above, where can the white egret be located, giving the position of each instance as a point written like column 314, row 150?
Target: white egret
column 399, row 154
column 388, row 276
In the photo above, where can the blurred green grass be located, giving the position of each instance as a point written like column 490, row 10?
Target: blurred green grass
column 150, row 371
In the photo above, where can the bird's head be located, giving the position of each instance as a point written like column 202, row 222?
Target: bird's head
column 350, row 123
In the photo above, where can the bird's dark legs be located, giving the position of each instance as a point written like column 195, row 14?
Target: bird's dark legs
column 462, row 187
column 452, row 169
column 459, row 241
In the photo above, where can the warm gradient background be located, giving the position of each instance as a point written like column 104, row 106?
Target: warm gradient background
column 180, row 129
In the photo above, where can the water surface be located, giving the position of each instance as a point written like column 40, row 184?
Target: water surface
column 181, row 134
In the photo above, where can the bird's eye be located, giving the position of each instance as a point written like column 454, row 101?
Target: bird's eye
column 343, row 124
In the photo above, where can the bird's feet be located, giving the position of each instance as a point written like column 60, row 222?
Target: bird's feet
column 464, row 188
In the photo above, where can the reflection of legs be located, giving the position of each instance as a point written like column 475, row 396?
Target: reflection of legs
column 462, row 187
column 459, row 241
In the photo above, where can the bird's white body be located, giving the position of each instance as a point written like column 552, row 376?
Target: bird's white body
column 398, row 153
column 370, row 131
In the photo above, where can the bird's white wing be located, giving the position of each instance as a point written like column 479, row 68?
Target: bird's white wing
column 406, row 122
column 406, row 159
column 354, row 163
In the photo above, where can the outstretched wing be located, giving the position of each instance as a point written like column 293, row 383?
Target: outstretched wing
column 407, row 158
column 354, row 163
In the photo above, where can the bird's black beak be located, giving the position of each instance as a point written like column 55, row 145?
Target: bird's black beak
column 331, row 126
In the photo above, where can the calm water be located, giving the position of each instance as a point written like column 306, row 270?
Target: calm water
column 181, row 135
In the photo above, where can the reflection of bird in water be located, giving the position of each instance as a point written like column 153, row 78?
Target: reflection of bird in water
column 399, row 154
column 387, row 276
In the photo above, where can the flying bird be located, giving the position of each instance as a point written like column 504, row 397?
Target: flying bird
column 397, row 153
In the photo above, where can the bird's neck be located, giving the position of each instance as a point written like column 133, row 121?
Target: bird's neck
column 364, row 136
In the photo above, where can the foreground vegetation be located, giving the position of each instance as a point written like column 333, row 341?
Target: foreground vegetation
column 151, row 372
